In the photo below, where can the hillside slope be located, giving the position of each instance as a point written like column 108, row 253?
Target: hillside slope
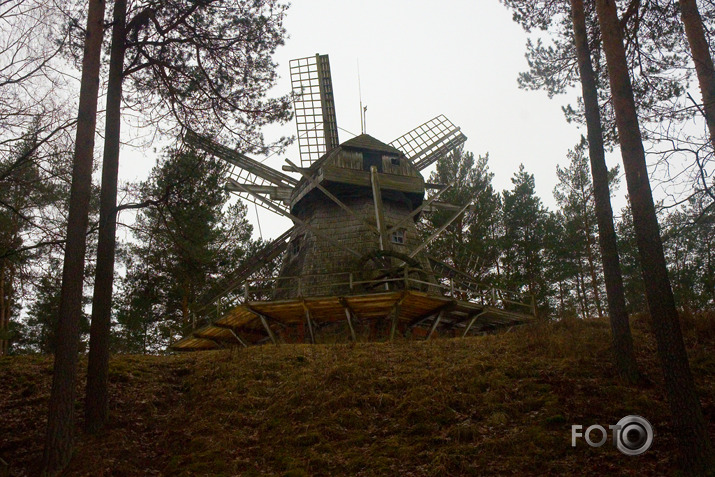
column 495, row 405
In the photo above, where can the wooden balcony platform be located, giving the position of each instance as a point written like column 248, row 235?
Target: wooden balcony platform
column 407, row 312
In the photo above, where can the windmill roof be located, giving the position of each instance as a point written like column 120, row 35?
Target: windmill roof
column 365, row 141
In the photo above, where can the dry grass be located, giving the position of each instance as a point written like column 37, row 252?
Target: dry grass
column 496, row 405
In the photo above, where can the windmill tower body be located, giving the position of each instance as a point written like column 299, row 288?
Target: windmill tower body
column 381, row 188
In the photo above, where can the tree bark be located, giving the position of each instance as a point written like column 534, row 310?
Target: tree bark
column 700, row 50
column 4, row 323
column 581, row 290
column 96, row 398
column 626, row 364
column 690, row 427
column 60, row 419
column 590, row 259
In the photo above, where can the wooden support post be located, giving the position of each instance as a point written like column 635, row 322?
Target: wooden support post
column 309, row 323
column 395, row 318
column 379, row 213
column 434, row 325
column 268, row 328
column 396, row 315
column 472, row 321
column 377, row 199
column 238, row 338
column 349, row 316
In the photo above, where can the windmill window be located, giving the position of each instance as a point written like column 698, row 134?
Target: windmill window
column 398, row 236
column 395, row 161
column 371, row 159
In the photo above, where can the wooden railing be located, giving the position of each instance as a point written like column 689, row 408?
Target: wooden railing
column 348, row 283
column 406, row 278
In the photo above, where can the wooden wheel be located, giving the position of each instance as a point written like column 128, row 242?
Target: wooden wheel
column 387, row 273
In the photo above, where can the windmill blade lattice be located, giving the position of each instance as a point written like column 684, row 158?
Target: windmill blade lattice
column 429, row 141
column 254, row 175
column 314, row 107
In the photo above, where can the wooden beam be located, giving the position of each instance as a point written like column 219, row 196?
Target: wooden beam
column 240, row 160
column 438, row 231
column 349, row 314
column 309, row 321
column 431, row 185
column 238, row 338
column 264, row 322
column 418, row 210
column 422, row 318
column 274, row 192
column 472, row 321
column 434, row 325
column 268, row 329
column 377, row 199
column 396, row 315
column 362, row 178
column 291, row 169
column 325, row 191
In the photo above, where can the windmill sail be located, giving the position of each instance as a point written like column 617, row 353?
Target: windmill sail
column 314, row 107
column 252, row 174
column 429, row 141
column 248, row 267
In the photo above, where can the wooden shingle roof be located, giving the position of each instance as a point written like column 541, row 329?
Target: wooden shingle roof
column 367, row 142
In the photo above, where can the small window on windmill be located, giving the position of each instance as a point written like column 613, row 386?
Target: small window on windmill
column 371, row 159
column 395, row 161
column 398, row 236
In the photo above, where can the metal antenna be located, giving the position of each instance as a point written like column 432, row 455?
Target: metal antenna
column 363, row 118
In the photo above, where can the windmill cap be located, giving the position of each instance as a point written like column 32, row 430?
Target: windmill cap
column 367, row 142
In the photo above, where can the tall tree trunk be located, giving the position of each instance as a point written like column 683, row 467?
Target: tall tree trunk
column 4, row 324
column 581, row 290
column 615, row 295
column 685, row 407
column 700, row 50
column 60, row 419
column 592, row 265
column 96, row 399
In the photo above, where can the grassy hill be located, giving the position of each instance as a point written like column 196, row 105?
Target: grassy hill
column 496, row 405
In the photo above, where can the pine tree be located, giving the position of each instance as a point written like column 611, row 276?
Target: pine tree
column 179, row 67
column 60, row 420
column 469, row 242
column 690, row 426
column 525, row 227
column 183, row 247
column 702, row 58
column 574, row 194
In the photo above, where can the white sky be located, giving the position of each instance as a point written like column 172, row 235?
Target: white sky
column 419, row 59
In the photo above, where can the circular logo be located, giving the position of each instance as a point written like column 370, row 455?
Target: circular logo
column 634, row 435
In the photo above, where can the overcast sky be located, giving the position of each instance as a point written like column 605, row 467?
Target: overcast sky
column 419, row 59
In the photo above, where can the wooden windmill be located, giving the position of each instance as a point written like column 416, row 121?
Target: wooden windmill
column 353, row 255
